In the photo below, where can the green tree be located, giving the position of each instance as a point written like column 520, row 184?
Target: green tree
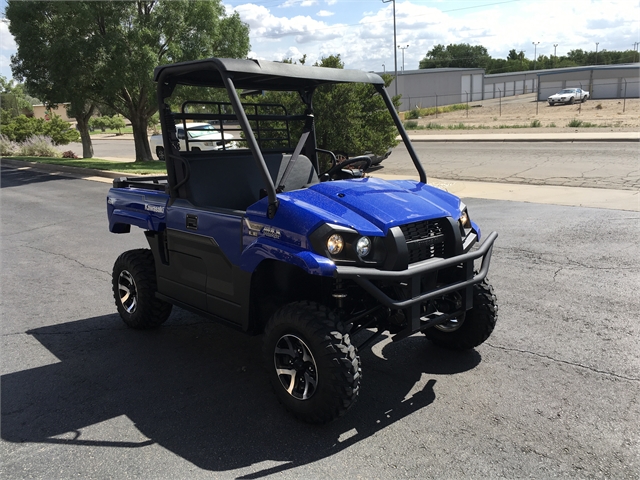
column 460, row 55
column 14, row 100
column 349, row 118
column 105, row 52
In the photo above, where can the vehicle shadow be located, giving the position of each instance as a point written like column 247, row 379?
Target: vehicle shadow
column 199, row 390
column 11, row 176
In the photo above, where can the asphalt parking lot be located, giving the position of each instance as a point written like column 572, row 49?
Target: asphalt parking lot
column 554, row 393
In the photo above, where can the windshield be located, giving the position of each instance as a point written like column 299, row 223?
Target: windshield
column 567, row 90
column 200, row 130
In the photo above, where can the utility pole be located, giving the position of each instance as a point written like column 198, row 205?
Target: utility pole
column 403, row 49
column 555, row 57
column 384, row 69
column 597, row 52
column 535, row 49
column 395, row 53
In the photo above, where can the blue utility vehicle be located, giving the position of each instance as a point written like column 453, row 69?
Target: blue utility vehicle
column 272, row 235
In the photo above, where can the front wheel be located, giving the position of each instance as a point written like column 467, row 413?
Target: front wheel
column 474, row 327
column 160, row 153
column 313, row 368
column 134, row 289
column 571, row 101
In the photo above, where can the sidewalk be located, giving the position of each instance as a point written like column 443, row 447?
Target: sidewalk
column 529, row 137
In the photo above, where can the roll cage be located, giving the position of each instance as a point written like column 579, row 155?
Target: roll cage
column 255, row 75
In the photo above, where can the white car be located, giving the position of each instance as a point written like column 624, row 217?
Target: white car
column 202, row 136
column 568, row 96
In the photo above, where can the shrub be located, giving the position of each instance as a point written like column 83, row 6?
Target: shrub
column 458, row 126
column 99, row 122
column 116, row 123
column 7, row 147
column 535, row 123
column 575, row 123
column 37, row 146
column 60, row 132
column 69, row 154
column 411, row 125
column 412, row 114
column 599, row 106
column 22, row 127
column 434, row 126
column 552, row 124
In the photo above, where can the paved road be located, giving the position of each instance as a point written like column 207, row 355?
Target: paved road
column 555, row 392
column 593, row 164
column 601, row 165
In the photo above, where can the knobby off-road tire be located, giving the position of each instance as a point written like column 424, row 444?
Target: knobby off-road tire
column 134, row 290
column 477, row 325
column 312, row 366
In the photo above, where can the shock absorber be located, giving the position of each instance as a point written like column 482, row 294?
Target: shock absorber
column 339, row 293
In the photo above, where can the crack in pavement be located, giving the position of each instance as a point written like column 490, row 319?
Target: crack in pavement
column 543, row 257
column 67, row 258
column 566, row 362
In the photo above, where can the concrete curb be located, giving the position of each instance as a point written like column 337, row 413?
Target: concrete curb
column 72, row 171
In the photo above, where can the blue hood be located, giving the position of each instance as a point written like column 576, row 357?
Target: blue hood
column 369, row 205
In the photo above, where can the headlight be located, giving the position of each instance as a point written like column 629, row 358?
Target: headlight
column 464, row 220
column 346, row 246
column 363, row 247
column 335, row 244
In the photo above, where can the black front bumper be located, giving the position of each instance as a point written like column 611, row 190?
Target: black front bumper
column 413, row 275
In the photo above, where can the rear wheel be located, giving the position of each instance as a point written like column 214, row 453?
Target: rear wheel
column 313, row 368
column 160, row 153
column 134, row 289
column 474, row 327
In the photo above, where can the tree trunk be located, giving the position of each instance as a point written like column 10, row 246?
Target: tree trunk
column 83, row 128
column 82, row 112
column 139, row 123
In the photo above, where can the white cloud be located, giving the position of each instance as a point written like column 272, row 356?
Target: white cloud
column 265, row 26
column 298, row 3
column 325, row 13
column 6, row 39
column 331, row 2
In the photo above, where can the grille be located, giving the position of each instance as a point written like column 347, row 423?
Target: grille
column 425, row 239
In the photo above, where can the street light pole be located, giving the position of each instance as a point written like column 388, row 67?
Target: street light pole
column 384, row 69
column 555, row 45
column 535, row 49
column 597, row 52
column 395, row 53
column 403, row 49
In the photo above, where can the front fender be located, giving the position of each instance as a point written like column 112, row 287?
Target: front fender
column 265, row 249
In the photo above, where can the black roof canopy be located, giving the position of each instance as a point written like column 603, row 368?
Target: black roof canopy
column 257, row 74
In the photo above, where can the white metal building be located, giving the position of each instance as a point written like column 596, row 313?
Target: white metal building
column 602, row 81
column 446, row 86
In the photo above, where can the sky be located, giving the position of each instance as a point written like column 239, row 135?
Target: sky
column 361, row 31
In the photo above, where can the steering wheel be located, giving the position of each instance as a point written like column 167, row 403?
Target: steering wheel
column 350, row 161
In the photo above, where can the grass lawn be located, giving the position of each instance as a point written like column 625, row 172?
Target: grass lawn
column 141, row 168
column 98, row 131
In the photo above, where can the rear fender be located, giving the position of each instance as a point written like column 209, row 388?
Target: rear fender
column 141, row 208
